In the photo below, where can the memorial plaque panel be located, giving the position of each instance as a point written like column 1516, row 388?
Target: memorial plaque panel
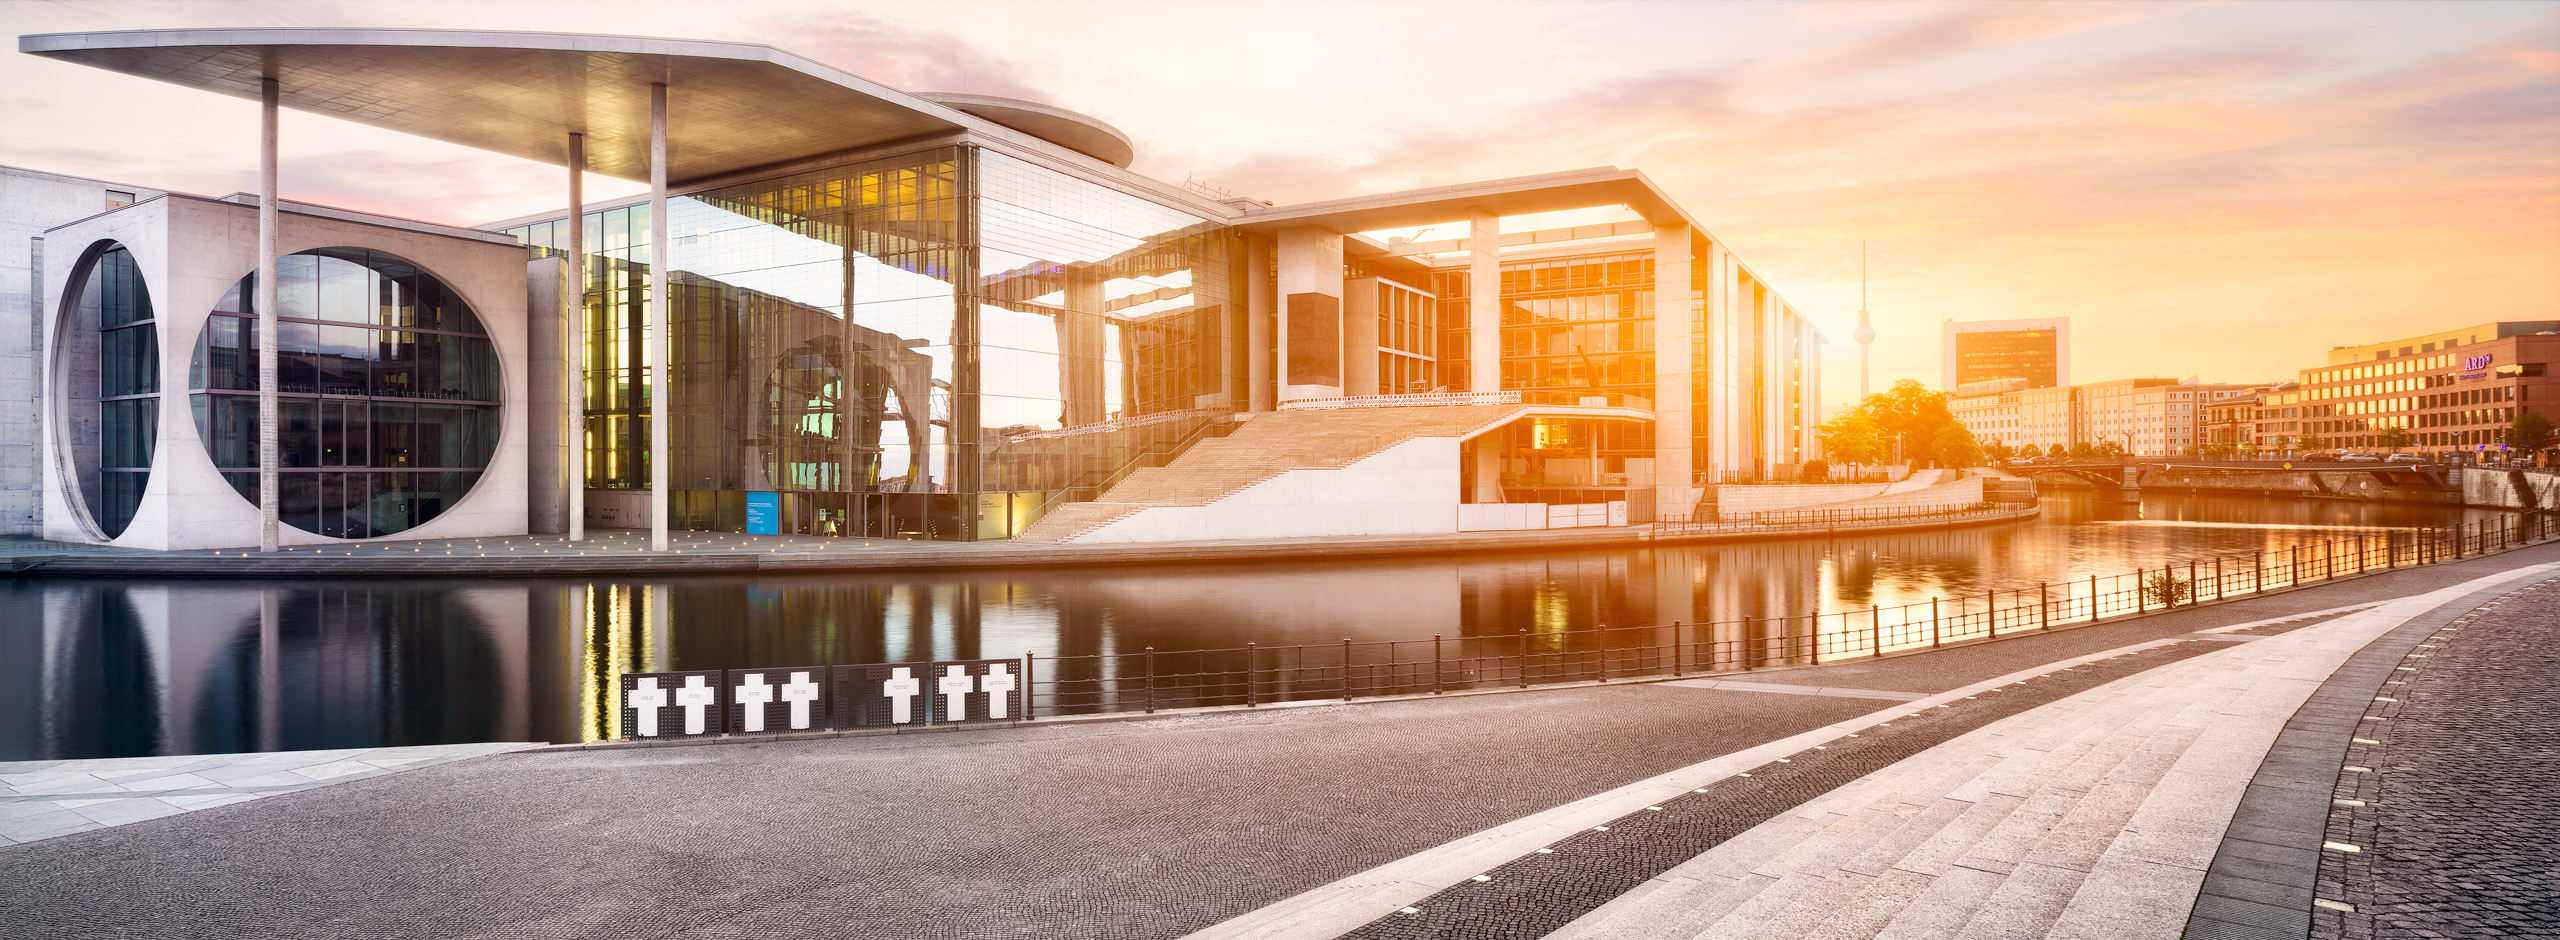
column 762, row 701
column 882, row 695
column 671, row 704
column 977, row 690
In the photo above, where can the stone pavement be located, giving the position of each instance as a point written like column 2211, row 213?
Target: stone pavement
column 42, row 799
column 2096, row 814
column 1141, row 829
column 2441, row 821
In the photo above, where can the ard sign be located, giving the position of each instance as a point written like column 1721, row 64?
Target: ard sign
column 2477, row 367
column 813, row 698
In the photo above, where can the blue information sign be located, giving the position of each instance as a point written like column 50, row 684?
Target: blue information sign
column 764, row 514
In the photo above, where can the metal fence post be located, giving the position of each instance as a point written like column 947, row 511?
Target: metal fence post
column 1875, row 629
column 1248, row 674
column 2193, row 595
column 1991, row 613
column 1604, row 652
column 1436, row 673
column 1524, row 657
column 2258, row 571
column 1749, row 626
column 1346, row 669
column 1676, row 648
column 1030, row 696
column 2217, row 577
column 2141, row 592
column 2093, row 598
column 2044, row 607
column 1933, row 623
column 1151, row 680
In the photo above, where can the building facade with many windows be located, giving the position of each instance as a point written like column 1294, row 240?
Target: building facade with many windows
column 924, row 316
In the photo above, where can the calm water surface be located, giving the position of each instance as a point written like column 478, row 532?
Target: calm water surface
column 110, row 668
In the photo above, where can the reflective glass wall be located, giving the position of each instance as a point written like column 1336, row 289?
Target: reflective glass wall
column 938, row 344
column 386, row 392
column 128, row 403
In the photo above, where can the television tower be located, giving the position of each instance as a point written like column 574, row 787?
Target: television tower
column 1866, row 334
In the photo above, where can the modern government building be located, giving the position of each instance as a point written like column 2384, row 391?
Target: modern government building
column 843, row 309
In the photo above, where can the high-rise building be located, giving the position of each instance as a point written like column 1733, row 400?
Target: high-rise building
column 2038, row 351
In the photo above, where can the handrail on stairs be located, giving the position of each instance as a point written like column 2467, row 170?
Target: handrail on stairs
column 1109, row 480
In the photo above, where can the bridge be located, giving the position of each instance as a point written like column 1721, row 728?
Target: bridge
column 2125, row 477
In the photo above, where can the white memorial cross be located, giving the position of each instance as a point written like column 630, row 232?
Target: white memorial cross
column 648, row 698
column 996, row 683
column 696, row 698
column 754, row 695
column 956, row 686
column 902, row 689
column 799, row 692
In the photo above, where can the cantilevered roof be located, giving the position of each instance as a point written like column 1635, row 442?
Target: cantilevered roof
column 732, row 106
column 1078, row 132
column 1520, row 195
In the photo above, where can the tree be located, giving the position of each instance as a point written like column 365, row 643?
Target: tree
column 1852, row 437
column 1814, row 471
column 2110, row 449
column 2531, row 434
column 2284, row 444
column 2393, row 439
column 2314, row 441
column 1908, row 414
column 2057, row 451
column 2080, row 450
column 1999, row 450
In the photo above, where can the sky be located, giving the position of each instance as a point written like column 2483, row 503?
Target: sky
column 2213, row 190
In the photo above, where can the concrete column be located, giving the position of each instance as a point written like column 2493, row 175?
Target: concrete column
column 269, row 534
column 1360, row 337
column 1260, row 317
column 1719, row 406
column 1490, row 448
column 1484, row 301
column 1080, row 347
column 1772, row 378
column 1310, row 289
column 659, row 401
column 576, row 351
column 1674, row 328
column 549, row 298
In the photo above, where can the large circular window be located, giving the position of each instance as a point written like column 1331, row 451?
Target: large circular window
column 387, row 391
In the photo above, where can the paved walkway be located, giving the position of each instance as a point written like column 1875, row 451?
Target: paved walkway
column 625, row 551
column 2440, row 823
column 42, row 799
column 1142, row 829
column 2096, row 813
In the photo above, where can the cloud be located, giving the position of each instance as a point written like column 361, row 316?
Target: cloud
column 901, row 57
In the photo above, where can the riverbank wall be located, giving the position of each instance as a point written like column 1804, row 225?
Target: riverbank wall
column 623, row 552
column 2474, row 487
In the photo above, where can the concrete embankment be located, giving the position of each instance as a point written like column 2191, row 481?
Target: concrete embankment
column 623, row 552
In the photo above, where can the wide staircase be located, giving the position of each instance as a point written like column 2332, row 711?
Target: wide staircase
column 1264, row 447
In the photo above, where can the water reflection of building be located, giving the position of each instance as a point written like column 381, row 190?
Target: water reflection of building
column 888, row 314
column 106, row 669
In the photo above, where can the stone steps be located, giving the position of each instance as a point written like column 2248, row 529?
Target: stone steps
column 1265, row 447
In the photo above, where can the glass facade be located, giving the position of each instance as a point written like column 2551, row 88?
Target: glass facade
column 935, row 344
column 1571, row 328
column 388, row 393
column 128, row 402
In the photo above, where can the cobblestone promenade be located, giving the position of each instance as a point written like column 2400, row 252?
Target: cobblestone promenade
column 2451, row 797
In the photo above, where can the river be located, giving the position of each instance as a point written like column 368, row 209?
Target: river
column 130, row 667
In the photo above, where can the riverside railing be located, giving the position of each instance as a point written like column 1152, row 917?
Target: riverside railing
column 1149, row 679
column 1822, row 519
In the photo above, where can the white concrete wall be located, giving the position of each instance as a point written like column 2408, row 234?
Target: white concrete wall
column 191, row 251
column 1747, row 498
column 1408, row 489
column 30, row 203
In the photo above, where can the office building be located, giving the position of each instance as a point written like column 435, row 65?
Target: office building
column 2037, row 351
column 842, row 309
column 2453, row 392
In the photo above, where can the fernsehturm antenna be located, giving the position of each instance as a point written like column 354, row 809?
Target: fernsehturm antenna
column 1866, row 334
